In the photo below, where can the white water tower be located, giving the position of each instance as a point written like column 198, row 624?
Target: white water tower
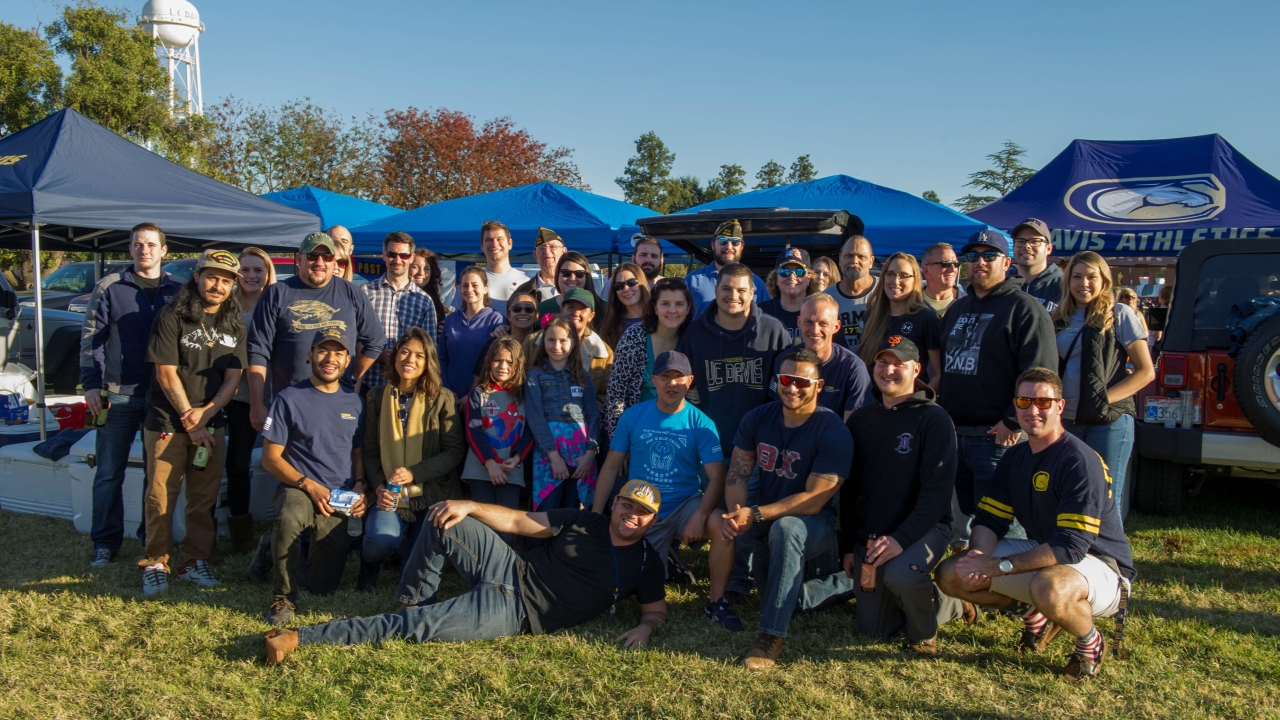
column 176, row 26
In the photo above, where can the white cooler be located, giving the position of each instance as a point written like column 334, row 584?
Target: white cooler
column 35, row 485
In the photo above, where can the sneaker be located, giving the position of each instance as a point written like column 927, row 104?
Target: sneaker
column 155, row 579
column 281, row 612
column 1080, row 667
column 199, row 573
column 677, row 573
column 280, row 643
column 721, row 613
column 1035, row 642
column 764, row 653
column 102, row 557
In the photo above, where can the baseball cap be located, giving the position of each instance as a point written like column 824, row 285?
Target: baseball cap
column 672, row 360
column 546, row 235
column 317, row 241
column 330, row 333
column 580, row 295
column 902, row 347
column 638, row 238
column 1033, row 224
column 729, row 228
column 643, row 494
column 218, row 260
column 793, row 256
column 991, row 238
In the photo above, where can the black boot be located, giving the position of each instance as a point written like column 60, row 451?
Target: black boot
column 368, row 576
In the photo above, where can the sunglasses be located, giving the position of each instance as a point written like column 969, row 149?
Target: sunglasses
column 787, row 272
column 576, row 274
column 317, row 257
column 898, row 276
column 947, row 264
column 393, row 256
column 801, row 383
column 988, row 255
column 625, row 284
column 726, row 241
column 1022, row 403
column 524, row 309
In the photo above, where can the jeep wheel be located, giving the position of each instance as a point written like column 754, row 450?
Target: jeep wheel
column 1158, row 490
column 1257, row 385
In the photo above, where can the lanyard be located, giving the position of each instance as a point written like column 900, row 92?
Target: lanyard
column 617, row 573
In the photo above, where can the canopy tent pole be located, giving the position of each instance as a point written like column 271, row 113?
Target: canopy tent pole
column 39, row 339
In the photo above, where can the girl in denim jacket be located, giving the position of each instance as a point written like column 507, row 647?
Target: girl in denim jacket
column 562, row 412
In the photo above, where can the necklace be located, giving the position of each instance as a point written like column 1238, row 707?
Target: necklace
column 207, row 334
column 617, row 577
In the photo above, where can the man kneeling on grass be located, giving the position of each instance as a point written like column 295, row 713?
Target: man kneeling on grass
column 1077, row 564
column 589, row 563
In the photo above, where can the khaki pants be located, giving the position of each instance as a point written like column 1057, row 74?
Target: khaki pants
column 169, row 460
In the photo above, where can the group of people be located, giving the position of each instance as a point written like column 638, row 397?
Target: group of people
column 876, row 420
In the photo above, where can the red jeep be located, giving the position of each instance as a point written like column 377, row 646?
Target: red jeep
column 1235, row 430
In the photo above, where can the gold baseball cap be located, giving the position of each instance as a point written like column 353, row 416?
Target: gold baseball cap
column 643, row 494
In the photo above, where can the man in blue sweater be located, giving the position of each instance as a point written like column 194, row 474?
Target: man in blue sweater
column 113, row 349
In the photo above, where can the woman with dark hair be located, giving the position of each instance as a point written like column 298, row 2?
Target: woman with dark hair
column 467, row 330
column 572, row 271
column 413, row 438
column 424, row 271
column 666, row 316
column 628, row 298
column 897, row 307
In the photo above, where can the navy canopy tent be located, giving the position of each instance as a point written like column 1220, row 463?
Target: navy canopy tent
column 589, row 224
column 895, row 221
column 1144, row 198
column 333, row 208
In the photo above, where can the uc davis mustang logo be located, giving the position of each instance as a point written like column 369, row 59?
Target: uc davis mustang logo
column 904, row 443
column 1149, row 200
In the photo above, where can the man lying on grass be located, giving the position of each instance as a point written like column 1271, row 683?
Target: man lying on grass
column 590, row 563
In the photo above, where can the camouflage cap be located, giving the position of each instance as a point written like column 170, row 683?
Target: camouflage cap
column 730, row 228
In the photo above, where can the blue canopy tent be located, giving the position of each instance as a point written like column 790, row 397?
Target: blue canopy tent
column 895, row 221
column 67, row 183
column 588, row 223
column 333, row 208
column 1148, row 198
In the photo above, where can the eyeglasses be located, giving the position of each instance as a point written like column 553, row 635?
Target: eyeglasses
column 1022, row 403
column 800, row 382
column 576, row 274
column 548, row 247
column 946, row 264
column 898, row 276
column 524, row 309
column 1031, row 243
column 393, row 256
column 625, row 284
column 317, row 257
column 987, row 255
column 727, row 241
column 788, row 272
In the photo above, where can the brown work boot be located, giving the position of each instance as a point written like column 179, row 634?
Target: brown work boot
column 1079, row 667
column 1034, row 643
column 763, row 653
column 280, row 643
column 969, row 612
column 923, row 647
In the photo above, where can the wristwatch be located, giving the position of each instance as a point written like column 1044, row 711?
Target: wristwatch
column 1006, row 566
column 756, row 516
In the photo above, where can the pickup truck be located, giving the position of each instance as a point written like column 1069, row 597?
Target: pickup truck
column 61, row 340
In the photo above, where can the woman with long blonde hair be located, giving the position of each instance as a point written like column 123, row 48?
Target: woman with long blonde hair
column 897, row 307
column 1098, row 339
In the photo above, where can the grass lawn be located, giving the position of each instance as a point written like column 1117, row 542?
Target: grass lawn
column 1204, row 641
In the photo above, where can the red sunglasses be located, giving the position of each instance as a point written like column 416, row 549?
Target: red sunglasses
column 801, row 383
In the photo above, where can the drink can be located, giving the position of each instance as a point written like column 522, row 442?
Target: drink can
column 202, row 458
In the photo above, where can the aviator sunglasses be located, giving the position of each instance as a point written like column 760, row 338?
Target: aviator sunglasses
column 1022, row 403
column 327, row 257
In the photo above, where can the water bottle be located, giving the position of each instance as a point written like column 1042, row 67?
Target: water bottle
column 355, row 526
column 202, row 458
column 395, row 495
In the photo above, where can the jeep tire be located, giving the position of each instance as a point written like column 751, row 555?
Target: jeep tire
column 66, row 378
column 1257, row 394
column 1158, row 490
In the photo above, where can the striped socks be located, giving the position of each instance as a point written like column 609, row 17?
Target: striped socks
column 1035, row 622
column 1090, row 646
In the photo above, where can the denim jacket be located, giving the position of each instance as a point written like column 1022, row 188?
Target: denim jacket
column 549, row 397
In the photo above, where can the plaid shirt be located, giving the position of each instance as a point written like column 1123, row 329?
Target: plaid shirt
column 398, row 310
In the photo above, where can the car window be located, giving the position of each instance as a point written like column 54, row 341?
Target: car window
column 181, row 269
column 77, row 278
column 1229, row 279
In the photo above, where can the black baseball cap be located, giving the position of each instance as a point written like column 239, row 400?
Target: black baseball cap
column 901, row 346
column 330, row 333
column 1032, row 224
column 672, row 360
column 994, row 239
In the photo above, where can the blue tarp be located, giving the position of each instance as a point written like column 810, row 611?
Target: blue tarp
column 87, row 186
column 1144, row 198
column 333, row 208
column 895, row 221
column 588, row 223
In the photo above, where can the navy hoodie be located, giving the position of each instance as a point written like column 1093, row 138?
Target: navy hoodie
column 987, row 343
column 1046, row 287
column 732, row 368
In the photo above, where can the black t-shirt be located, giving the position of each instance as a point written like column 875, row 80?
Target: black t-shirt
column 788, row 456
column 571, row 579
column 922, row 327
column 790, row 320
column 149, row 285
column 202, row 355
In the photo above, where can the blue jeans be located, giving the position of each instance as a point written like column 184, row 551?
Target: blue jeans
column 112, row 445
column 1114, row 443
column 780, row 556
column 384, row 531
column 508, row 496
column 975, row 468
column 491, row 609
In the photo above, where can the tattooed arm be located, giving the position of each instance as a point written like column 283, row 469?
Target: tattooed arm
column 741, row 464
column 171, row 384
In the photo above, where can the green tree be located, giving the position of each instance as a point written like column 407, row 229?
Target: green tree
column 1006, row 174
column 30, row 79
column 802, row 170
column 931, row 196
column 770, row 175
column 644, row 180
column 731, row 181
column 681, row 193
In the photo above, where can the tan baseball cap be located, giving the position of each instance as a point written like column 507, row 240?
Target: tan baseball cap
column 218, row 260
column 642, row 494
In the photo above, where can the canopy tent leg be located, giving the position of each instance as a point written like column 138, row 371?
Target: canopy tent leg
column 39, row 338
column 97, row 268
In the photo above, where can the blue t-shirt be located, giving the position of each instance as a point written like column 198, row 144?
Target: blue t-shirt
column 788, row 456
column 790, row 320
column 318, row 431
column 667, row 450
column 846, row 382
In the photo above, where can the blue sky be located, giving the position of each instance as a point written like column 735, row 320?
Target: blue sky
column 908, row 95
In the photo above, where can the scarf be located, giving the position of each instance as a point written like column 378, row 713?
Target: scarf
column 401, row 448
